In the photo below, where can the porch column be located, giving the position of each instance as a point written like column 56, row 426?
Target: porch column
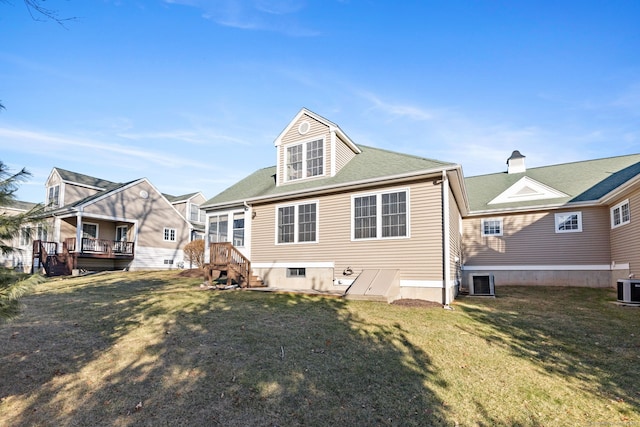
column 79, row 232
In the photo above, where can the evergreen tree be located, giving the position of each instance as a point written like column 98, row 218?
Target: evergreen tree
column 13, row 285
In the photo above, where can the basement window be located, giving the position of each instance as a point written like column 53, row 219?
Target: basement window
column 296, row 272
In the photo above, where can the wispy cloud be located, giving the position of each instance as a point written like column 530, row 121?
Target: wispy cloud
column 281, row 16
column 33, row 141
column 397, row 110
column 184, row 136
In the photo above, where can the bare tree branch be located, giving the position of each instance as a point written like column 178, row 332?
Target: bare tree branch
column 39, row 12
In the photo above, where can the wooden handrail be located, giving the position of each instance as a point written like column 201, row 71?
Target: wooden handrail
column 225, row 255
column 101, row 246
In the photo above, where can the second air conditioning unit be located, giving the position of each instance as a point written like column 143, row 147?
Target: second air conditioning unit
column 629, row 291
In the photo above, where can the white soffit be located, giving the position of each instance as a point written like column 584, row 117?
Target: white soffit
column 526, row 189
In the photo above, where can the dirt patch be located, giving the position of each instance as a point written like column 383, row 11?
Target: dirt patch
column 416, row 303
column 192, row 272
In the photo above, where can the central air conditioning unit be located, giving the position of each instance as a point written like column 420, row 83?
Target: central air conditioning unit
column 482, row 284
column 629, row 291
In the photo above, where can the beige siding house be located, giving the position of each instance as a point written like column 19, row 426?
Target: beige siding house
column 567, row 224
column 333, row 216
column 19, row 258
column 95, row 224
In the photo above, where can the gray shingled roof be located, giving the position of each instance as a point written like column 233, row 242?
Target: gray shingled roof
column 585, row 181
column 85, row 179
column 181, row 198
column 372, row 163
column 20, row 205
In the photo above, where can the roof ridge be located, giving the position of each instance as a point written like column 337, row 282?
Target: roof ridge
column 559, row 165
column 413, row 156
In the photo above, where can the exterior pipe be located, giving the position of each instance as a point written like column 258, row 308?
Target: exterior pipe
column 446, row 249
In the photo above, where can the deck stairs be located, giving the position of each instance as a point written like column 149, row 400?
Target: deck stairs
column 232, row 266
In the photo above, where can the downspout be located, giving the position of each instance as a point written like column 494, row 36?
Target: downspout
column 446, row 244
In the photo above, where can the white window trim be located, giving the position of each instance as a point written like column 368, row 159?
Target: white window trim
column 619, row 206
column 164, row 233
column 97, row 229
column 500, row 220
column 378, row 195
column 233, row 228
column 58, row 204
column 560, row 217
column 304, row 159
column 126, row 233
column 296, row 222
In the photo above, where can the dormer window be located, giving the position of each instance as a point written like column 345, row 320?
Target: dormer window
column 305, row 160
column 53, row 199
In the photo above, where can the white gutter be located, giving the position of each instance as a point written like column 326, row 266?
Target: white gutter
column 337, row 187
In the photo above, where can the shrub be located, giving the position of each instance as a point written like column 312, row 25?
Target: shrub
column 194, row 252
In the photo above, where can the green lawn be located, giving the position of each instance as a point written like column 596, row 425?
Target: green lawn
column 150, row 348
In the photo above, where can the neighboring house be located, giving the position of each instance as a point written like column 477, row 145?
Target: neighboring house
column 566, row 224
column 189, row 207
column 335, row 216
column 20, row 258
column 95, row 224
column 331, row 212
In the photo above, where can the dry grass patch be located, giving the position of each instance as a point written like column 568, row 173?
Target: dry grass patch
column 151, row 348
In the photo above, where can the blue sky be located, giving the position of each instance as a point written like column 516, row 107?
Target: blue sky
column 192, row 93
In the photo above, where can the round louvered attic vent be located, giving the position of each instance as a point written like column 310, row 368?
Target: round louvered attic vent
column 144, row 194
column 304, row 127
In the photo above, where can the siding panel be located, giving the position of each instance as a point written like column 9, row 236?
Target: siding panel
column 418, row 258
column 530, row 239
column 625, row 240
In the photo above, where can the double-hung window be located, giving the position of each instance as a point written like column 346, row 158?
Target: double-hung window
column 297, row 223
column 492, row 227
column 53, row 198
column 381, row 215
column 238, row 229
column 620, row 214
column 568, row 222
column 305, row 160
column 196, row 214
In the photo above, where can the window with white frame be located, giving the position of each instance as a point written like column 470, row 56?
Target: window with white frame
column 381, row 215
column 238, row 229
column 296, row 272
column 297, row 223
column 196, row 214
column 620, row 214
column 169, row 234
column 305, row 160
column 568, row 222
column 25, row 236
column 121, row 233
column 53, row 196
column 492, row 227
column 89, row 230
column 218, row 228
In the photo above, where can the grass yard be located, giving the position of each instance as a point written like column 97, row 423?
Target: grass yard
column 151, row 348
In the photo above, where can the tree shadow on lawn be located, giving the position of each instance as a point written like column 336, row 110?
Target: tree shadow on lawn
column 150, row 353
column 568, row 332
